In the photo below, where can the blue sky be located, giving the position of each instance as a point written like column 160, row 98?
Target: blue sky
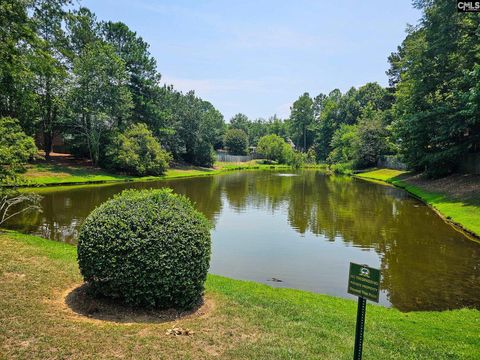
column 257, row 57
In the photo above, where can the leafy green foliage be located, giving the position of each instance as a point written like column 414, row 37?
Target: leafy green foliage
column 236, row 141
column 16, row 148
column 311, row 156
column 301, row 120
column 336, row 110
column 295, row 159
column 140, row 67
column 255, row 129
column 273, row 147
column 64, row 73
column 362, row 144
column 204, row 154
column 146, row 248
column 343, row 144
column 341, row 168
column 17, row 44
column 326, row 124
column 435, row 71
column 371, row 138
column 50, row 65
column 138, row 152
column 101, row 98
column 240, row 121
column 198, row 126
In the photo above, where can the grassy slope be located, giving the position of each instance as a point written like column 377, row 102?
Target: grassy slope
column 52, row 174
column 463, row 212
column 248, row 320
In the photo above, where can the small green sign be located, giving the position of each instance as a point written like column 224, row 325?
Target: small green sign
column 364, row 281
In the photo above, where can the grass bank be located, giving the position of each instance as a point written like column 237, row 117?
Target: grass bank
column 245, row 321
column 53, row 174
column 456, row 197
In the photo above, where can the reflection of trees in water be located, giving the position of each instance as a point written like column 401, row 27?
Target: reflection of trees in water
column 259, row 190
column 357, row 211
column 236, row 188
column 328, row 206
column 64, row 211
column 425, row 263
column 301, row 204
column 429, row 266
column 271, row 192
column 204, row 192
column 62, row 214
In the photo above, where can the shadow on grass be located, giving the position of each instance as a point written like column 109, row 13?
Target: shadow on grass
column 456, row 189
column 81, row 302
column 70, row 169
column 187, row 167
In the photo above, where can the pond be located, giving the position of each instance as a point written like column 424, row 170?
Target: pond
column 301, row 230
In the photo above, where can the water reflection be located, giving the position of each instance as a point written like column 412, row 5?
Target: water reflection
column 304, row 230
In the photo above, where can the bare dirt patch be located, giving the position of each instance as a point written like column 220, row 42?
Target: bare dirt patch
column 82, row 304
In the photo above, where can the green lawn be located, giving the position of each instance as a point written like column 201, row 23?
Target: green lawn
column 381, row 174
column 461, row 210
column 44, row 174
column 246, row 320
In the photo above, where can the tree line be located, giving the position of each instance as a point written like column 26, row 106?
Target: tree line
column 96, row 84
column 428, row 116
column 64, row 72
column 336, row 128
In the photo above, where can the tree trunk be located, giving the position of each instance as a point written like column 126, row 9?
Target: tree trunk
column 304, row 138
column 47, row 143
column 47, row 122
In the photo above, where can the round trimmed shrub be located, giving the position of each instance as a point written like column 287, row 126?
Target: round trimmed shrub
column 146, row 248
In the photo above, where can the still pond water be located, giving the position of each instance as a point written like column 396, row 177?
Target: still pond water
column 304, row 229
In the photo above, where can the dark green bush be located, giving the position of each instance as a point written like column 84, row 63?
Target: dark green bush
column 236, row 141
column 138, row 152
column 204, row 154
column 16, row 148
column 146, row 248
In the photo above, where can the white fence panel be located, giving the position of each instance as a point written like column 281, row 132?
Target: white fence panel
column 225, row 157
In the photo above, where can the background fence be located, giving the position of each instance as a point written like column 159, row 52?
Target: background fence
column 226, row 157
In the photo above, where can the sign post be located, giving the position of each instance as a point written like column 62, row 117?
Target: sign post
column 364, row 282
